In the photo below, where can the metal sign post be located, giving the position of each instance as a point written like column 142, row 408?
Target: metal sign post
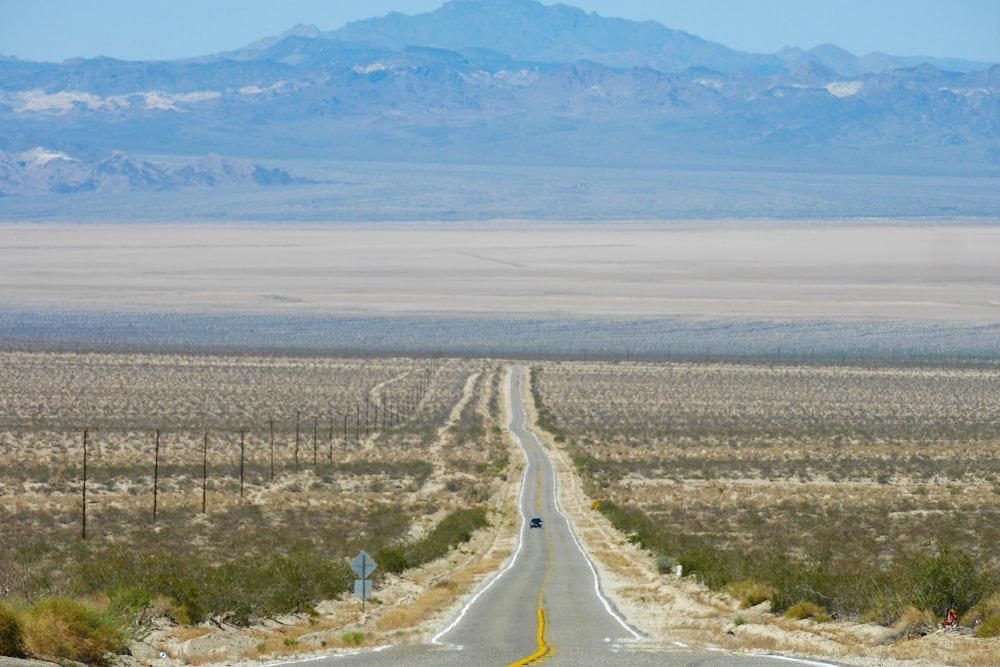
column 363, row 565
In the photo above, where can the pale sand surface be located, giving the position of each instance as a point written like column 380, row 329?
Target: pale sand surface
column 753, row 270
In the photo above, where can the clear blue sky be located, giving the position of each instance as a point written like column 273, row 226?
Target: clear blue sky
column 53, row 30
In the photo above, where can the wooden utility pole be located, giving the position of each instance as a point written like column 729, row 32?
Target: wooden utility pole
column 242, row 450
column 83, row 528
column 296, row 439
column 204, row 475
column 271, row 424
column 156, row 472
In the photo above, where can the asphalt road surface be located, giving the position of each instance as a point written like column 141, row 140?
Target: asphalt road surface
column 546, row 605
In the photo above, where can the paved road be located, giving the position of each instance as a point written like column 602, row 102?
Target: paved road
column 546, row 605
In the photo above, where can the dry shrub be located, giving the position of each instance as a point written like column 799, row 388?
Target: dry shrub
column 912, row 623
column 59, row 629
column 11, row 633
column 805, row 609
column 985, row 617
column 750, row 592
column 989, row 627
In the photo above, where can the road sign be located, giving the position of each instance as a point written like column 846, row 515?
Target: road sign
column 363, row 589
column 363, row 565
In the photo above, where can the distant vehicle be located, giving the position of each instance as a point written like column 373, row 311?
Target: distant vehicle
column 535, row 523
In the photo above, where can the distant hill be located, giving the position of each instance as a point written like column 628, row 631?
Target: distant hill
column 40, row 170
column 498, row 82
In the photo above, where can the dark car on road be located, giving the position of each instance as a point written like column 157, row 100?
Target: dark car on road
column 535, row 523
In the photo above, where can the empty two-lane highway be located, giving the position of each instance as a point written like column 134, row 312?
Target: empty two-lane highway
column 545, row 605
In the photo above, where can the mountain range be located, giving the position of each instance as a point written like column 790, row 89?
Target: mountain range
column 498, row 82
column 42, row 170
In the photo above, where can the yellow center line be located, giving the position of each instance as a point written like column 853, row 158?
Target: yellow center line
column 545, row 649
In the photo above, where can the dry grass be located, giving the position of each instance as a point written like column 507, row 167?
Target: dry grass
column 822, row 463
column 428, row 444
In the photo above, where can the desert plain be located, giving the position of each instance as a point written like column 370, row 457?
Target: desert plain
column 764, row 455
column 922, row 271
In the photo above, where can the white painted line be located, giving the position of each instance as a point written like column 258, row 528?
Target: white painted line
column 799, row 661
column 436, row 639
column 608, row 607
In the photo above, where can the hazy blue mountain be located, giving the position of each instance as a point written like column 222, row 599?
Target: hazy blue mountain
column 503, row 82
column 41, row 170
column 528, row 30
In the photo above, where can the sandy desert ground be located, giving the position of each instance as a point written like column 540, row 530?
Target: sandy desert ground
column 920, row 272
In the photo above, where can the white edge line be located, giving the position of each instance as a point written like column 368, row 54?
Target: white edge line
column 800, row 661
column 436, row 639
column 327, row 656
column 608, row 607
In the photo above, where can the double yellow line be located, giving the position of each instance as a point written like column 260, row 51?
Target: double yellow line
column 545, row 649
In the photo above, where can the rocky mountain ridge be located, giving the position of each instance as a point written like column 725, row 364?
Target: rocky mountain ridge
column 40, row 170
column 519, row 83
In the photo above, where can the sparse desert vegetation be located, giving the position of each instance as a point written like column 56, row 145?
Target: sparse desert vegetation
column 848, row 492
column 820, row 492
column 229, row 489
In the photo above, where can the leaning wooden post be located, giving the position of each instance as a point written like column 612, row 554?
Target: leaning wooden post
column 156, row 472
column 83, row 528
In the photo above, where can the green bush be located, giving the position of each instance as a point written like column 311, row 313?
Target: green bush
column 665, row 564
column 11, row 633
column 391, row 559
column 243, row 590
column 456, row 528
column 352, row 638
column 952, row 578
column 546, row 420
